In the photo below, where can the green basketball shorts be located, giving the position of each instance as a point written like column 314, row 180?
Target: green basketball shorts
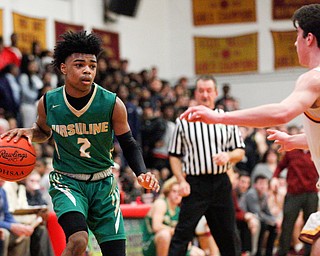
column 98, row 201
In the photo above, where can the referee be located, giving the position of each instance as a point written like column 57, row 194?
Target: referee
column 200, row 155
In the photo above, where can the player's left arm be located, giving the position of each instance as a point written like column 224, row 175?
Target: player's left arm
column 130, row 148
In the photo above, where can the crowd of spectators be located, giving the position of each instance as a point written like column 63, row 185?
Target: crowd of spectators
column 152, row 104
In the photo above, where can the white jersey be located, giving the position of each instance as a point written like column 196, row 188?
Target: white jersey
column 311, row 123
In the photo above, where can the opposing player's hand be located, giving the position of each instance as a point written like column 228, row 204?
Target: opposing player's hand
column 202, row 114
column 148, row 181
column 17, row 133
column 281, row 139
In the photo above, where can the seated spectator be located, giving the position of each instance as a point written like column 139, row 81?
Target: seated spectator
column 267, row 166
column 44, row 167
column 161, row 220
column 160, row 155
column 252, row 155
column 11, row 230
column 31, row 85
column 14, row 48
column 256, row 202
column 40, row 244
column 33, row 189
column 243, row 184
column 10, row 91
column 7, row 56
column 35, row 198
column 153, row 128
column 247, row 223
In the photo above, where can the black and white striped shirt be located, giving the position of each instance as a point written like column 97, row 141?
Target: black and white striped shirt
column 197, row 142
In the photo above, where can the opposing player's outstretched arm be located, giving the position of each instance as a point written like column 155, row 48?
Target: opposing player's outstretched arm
column 130, row 148
column 304, row 96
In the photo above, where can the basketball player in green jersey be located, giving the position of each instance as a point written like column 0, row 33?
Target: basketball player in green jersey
column 161, row 220
column 83, row 117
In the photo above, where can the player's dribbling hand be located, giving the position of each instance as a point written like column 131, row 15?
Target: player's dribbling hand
column 148, row 181
column 17, row 133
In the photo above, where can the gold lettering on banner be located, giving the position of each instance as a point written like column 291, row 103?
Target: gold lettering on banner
column 284, row 9
column 284, row 49
column 110, row 42
column 29, row 30
column 226, row 55
column 223, row 11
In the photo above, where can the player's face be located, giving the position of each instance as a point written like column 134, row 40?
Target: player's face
column 79, row 70
column 174, row 195
column 206, row 93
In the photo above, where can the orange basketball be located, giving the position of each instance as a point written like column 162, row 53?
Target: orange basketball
column 17, row 160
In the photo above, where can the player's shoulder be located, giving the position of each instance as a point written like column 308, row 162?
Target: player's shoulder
column 311, row 74
column 103, row 90
column 309, row 79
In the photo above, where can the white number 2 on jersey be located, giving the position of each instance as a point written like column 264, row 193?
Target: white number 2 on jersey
column 86, row 144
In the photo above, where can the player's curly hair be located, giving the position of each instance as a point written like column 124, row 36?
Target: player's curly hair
column 75, row 42
column 308, row 19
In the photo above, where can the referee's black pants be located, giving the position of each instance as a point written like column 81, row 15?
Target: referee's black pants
column 210, row 196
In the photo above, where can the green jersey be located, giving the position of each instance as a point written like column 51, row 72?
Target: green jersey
column 169, row 219
column 83, row 138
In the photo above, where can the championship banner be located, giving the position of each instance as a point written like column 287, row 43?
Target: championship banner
column 285, row 54
column 110, row 43
column 226, row 55
column 282, row 10
column 29, row 30
column 61, row 28
column 1, row 22
column 207, row 12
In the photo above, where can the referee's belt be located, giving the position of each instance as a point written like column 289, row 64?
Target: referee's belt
column 88, row 177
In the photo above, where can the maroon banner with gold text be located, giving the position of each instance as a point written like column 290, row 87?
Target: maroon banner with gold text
column 226, row 55
column 284, row 9
column 207, row 12
column 110, row 41
column 61, row 28
column 285, row 54
column 29, row 29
